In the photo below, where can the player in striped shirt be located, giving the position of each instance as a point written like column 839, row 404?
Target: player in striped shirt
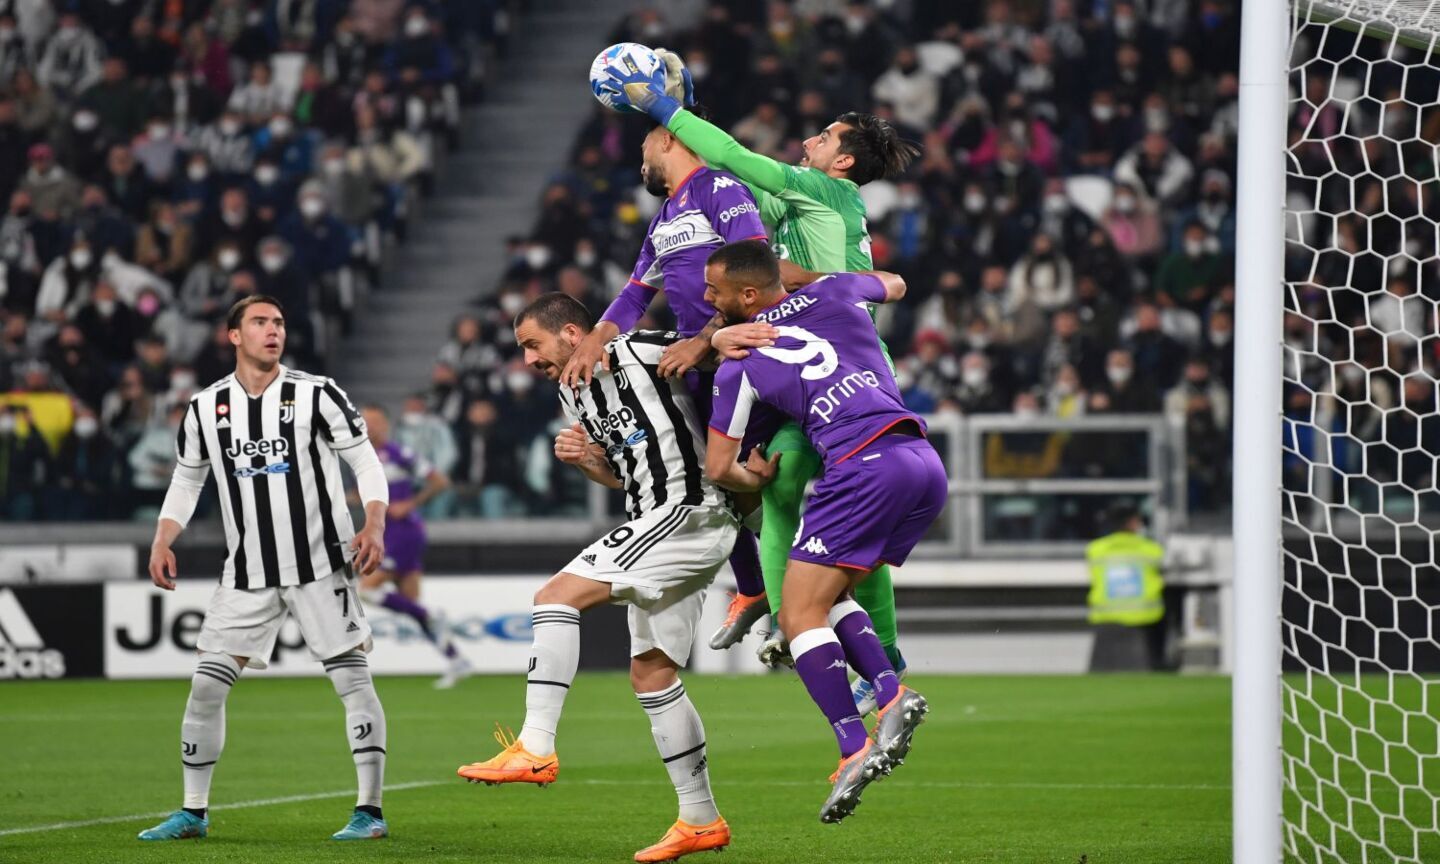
column 636, row 431
column 273, row 438
column 819, row 226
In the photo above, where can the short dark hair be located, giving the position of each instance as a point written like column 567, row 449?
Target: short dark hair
column 749, row 261
column 237, row 312
column 878, row 150
column 552, row 311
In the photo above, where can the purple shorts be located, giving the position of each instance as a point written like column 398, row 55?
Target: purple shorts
column 872, row 508
column 404, row 546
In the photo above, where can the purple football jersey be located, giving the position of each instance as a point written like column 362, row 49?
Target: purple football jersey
column 825, row 370
column 404, row 471
column 708, row 209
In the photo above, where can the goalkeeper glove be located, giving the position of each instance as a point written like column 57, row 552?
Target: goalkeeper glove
column 638, row 91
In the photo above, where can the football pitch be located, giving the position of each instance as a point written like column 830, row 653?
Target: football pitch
column 1073, row 770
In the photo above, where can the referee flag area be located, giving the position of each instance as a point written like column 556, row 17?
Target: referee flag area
column 1099, row 769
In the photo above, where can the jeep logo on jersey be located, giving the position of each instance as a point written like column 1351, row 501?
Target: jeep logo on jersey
column 812, row 348
column 264, row 447
column 615, row 421
column 22, row 652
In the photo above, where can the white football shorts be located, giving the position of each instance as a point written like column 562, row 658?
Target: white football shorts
column 661, row 564
column 247, row 623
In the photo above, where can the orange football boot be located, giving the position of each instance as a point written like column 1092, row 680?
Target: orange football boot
column 684, row 838
column 514, row 764
column 739, row 618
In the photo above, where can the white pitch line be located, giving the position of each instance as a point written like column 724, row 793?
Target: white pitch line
column 238, row 805
column 420, row 784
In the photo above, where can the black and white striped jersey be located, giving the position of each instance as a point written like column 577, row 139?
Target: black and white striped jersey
column 650, row 429
column 273, row 456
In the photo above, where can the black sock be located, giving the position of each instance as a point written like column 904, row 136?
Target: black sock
column 366, row 808
column 197, row 812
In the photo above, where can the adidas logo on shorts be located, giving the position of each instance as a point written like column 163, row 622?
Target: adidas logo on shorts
column 352, row 628
column 588, row 559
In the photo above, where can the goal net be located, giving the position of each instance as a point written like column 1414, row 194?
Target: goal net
column 1360, row 605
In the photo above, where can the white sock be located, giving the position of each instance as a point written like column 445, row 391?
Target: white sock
column 553, row 660
column 680, row 738
column 202, row 732
column 364, row 722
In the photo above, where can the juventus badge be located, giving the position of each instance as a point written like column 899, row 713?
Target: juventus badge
column 287, row 411
column 622, row 381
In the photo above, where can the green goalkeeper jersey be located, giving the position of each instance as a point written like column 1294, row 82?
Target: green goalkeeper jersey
column 818, row 220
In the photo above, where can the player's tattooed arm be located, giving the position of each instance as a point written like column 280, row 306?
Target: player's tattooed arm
column 573, row 447
column 680, row 357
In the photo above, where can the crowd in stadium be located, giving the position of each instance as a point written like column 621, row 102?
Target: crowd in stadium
column 1020, row 300
column 161, row 159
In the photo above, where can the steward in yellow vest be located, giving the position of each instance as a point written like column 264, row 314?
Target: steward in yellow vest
column 1125, row 583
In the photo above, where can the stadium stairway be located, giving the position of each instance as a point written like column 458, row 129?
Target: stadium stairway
column 512, row 142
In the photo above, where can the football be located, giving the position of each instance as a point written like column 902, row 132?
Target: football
column 629, row 55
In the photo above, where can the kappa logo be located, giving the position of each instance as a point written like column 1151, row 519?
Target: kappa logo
column 836, row 664
column 721, row 182
column 22, row 652
column 815, row 546
column 864, row 630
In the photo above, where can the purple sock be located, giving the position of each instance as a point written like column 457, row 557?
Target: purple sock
column 745, row 561
column 820, row 662
column 863, row 649
column 397, row 602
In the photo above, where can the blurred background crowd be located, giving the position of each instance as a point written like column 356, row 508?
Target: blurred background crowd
column 1067, row 235
column 160, row 159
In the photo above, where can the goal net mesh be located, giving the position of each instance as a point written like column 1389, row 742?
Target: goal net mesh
column 1361, row 598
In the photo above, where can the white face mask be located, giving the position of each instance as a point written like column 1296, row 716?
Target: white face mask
column 1064, row 388
column 1102, row 113
column 86, row 427
column 86, row 121
column 1352, row 373
column 1125, row 204
column 230, row 127
column 1056, row 203
column 416, row 27
column 537, row 257
column 197, row 173
column 412, row 418
column 312, row 207
column 1027, row 413
column 266, row 175
column 229, row 259
column 979, row 341
column 105, row 307
column 159, row 132
column 974, row 376
column 974, row 202
column 1194, row 248
column 699, row 70
column 586, row 258
column 280, row 127
column 1220, row 337
column 7, row 424
column 182, row 382
column 272, row 263
column 512, row 303
column 519, row 382
column 1118, row 375
column 333, row 167
column 908, row 200
column 80, row 258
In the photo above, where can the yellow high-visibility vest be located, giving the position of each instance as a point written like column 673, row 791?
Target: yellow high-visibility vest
column 1125, row 582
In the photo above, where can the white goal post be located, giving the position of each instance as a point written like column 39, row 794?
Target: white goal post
column 1336, row 687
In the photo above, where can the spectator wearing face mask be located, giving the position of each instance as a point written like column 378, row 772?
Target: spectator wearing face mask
column 1220, row 345
column 292, row 150
column 206, row 296
column 1043, row 276
column 86, row 474
column 1067, row 395
column 1133, row 224
column 1122, row 393
column 1097, row 139
column 109, row 325
column 281, row 277
column 158, row 151
column 978, row 392
column 929, row 374
column 188, row 102
column 1155, row 166
column 227, row 147
column 271, row 194
column 319, row 242
column 1062, row 220
column 1158, row 357
column 71, row 61
column 125, row 184
column 152, row 461
column 419, row 47
column 67, row 282
column 427, row 434
column 195, row 191
column 487, row 471
column 1189, row 276
column 19, row 256
column 117, row 100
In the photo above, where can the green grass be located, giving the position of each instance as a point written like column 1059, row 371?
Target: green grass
column 1097, row 769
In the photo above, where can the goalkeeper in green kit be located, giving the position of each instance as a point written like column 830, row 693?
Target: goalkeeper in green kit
column 818, row 223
